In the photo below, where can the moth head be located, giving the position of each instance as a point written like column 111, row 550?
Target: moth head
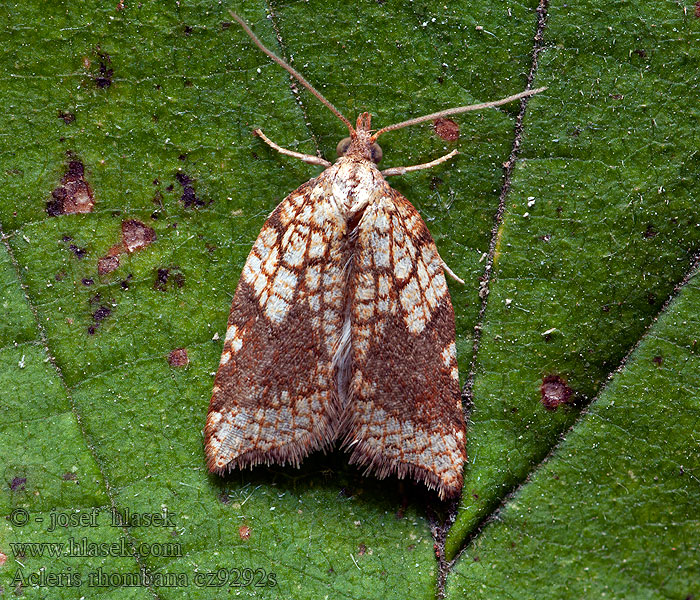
column 361, row 143
column 375, row 149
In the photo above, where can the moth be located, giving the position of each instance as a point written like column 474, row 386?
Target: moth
column 341, row 328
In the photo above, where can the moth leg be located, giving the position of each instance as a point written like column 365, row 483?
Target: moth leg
column 307, row 158
column 432, row 163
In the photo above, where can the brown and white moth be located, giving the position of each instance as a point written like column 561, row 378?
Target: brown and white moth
column 341, row 327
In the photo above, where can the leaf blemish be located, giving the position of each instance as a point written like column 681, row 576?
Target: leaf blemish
column 103, row 79
column 164, row 276
column 650, row 232
column 77, row 251
column 98, row 316
column 435, row 182
column 447, row 129
column 135, row 236
column 189, row 197
column 108, row 263
column 178, row 358
column 18, row 484
column 73, row 195
column 67, row 117
column 555, row 392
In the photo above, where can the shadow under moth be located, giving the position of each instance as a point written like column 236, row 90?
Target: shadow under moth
column 341, row 328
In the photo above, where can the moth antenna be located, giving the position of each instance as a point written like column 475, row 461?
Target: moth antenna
column 457, row 110
column 291, row 70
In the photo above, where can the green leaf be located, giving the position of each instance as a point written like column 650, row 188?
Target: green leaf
column 156, row 102
column 606, row 179
column 613, row 512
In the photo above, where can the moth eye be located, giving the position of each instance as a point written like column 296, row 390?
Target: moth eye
column 343, row 146
column 377, row 153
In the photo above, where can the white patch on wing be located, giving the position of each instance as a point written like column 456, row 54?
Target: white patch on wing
column 294, row 254
column 284, row 284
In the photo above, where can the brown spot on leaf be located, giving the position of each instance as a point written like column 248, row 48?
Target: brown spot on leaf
column 69, row 476
column 101, row 313
column 67, row 117
column 98, row 316
column 167, row 275
column 103, row 78
column 18, row 484
column 361, row 550
column 188, row 198
column 79, row 252
column 447, row 129
column 107, row 264
column 178, row 358
column 136, row 235
column 435, row 182
column 74, row 195
column 555, row 392
column 244, row 532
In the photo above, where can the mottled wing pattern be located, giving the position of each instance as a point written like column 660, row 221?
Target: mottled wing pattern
column 404, row 414
column 274, row 398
